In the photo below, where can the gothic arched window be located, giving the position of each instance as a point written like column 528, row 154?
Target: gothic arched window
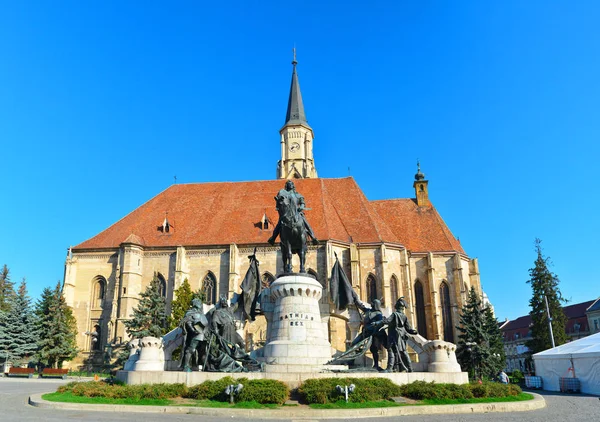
column 420, row 309
column 99, row 291
column 371, row 288
column 394, row 289
column 446, row 312
column 162, row 284
column 209, row 287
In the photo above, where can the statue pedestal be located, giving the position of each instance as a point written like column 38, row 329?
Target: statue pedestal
column 297, row 335
column 151, row 355
column 443, row 356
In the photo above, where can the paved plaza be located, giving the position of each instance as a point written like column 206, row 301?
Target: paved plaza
column 14, row 394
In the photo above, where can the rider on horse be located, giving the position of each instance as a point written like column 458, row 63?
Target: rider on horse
column 290, row 190
column 292, row 226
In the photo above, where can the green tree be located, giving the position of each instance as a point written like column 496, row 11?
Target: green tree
column 18, row 339
column 56, row 328
column 472, row 350
column 149, row 317
column 7, row 289
column 496, row 345
column 6, row 293
column 182, row 302
column 544, row 284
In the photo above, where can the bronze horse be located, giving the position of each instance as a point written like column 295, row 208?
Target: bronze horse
column 293, row 232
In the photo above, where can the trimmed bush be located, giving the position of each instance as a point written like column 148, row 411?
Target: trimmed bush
column 263, row 391
column 421, row 390
column 144, row 391
column 211, row 390
column 323, row 390
column 260, row 391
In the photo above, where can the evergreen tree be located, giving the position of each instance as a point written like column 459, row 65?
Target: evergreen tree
column 472, row 351
column 149, row 317
column 18, row 340
column 494, row 335
column 7, row 289
column 57, row 328
column 544, row 283
column 182, row 302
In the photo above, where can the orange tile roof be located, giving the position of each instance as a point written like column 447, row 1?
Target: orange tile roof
column 420, row 229
column 230, row 212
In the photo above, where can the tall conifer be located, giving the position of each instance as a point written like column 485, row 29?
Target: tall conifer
column 19, row 337
column 149, row 316
column 7, row 289
column 544, row 283
column 57, row 328
column 472, row 350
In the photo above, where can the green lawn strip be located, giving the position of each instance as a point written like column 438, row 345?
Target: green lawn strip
column 364, row 405
column 226, row 405
column 520, row 397
column 70, row 398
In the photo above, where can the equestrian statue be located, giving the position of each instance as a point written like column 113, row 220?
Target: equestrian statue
column 292, row 227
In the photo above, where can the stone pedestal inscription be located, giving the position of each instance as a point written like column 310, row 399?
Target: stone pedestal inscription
column 297, row 334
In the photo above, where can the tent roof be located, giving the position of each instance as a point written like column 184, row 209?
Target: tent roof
column 585, row 347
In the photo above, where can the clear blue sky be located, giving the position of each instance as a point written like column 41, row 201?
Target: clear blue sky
column 102, row 103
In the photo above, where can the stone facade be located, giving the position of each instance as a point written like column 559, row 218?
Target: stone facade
column 103, row 288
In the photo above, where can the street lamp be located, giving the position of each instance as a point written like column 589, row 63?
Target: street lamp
column 345, row 389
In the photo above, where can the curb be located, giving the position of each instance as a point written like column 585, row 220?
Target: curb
column 538, row 402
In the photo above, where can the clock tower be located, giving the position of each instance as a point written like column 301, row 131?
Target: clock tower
column 297, row 160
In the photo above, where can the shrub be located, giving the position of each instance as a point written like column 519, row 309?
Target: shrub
column 144, row 391
column 260, row 391
column 421, row 390
column 516, row 377
column 323, row 390
column 263, row 391
column 211, row 390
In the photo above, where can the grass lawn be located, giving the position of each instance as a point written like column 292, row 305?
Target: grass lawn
column 366, row 405
column 520, row 397
column 70, row 398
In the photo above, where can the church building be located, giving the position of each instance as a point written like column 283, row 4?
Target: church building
column 203, row 232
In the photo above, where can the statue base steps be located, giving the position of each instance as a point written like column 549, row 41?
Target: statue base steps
column 292, row 379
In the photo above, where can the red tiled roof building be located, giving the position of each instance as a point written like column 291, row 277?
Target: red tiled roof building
column 203, row 232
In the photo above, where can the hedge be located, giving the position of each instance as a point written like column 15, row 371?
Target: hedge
column 323, row 390
column 260, row 391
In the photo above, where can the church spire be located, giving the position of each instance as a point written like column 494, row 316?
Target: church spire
column 295, row 110
column 297, row 160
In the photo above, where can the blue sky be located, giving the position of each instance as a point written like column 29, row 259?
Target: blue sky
column 102, row 103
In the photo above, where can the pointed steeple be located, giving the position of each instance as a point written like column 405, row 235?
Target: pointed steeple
column 297, row 160
column 295, row 110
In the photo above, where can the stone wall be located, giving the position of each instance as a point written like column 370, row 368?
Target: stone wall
column 127, row 272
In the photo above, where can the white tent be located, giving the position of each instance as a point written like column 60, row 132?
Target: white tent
column 580, row 357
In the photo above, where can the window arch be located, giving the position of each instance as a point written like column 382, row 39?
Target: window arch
column 266, row 280
column 209, row 287
column 162, row 284
column 394, row 289
column 98, row 292
column 371, row 286
column 446, row 312
column 420, row 309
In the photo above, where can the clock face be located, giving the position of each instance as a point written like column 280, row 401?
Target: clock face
column 294, row 147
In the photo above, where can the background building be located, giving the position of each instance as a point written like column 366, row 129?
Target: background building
column 516, row 333
column 203, row 232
